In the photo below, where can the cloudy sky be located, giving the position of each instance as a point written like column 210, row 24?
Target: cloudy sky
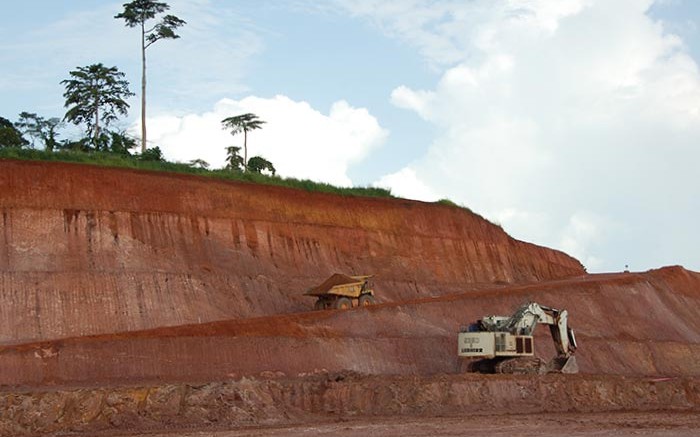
column 575, row 124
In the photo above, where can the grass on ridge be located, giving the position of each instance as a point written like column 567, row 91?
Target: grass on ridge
column 133, row 162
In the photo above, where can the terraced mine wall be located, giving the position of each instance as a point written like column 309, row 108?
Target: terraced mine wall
column 140, row 302
column 627, row 324
column 327, row 398
column 86, row 250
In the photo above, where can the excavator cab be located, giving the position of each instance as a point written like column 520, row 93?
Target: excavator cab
column 503, row 344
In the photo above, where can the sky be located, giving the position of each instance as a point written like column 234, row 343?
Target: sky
column 574, row 124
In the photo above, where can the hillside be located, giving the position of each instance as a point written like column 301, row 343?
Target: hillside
column 88, row 250
column 136, row 302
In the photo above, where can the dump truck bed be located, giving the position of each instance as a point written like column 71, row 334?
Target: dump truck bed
column 339, row 285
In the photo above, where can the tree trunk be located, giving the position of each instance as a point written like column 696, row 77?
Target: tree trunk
column 143, row 89
column 97, row 127
column 245, row 150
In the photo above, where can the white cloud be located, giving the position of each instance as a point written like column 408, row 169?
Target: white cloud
column 403, row 97
column 430, row 26
column 446, row 31
column 582, row 234
column 575, row 123
column 300, row 141
column 404, row 183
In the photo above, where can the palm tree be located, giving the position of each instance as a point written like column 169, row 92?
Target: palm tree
column 243, row 123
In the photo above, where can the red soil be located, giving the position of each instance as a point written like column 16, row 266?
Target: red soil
column 143, row 289
column 88, row 250
column 627, row 324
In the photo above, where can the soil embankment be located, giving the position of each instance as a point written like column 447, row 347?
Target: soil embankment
column 88, row 250
column 140, row 301
column 627, row 324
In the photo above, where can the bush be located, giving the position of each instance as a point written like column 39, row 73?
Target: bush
column 258, row 164
column 448, row 202
column 10, row 136
column 153, row 154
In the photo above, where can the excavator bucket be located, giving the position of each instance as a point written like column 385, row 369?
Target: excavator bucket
column 564, row 365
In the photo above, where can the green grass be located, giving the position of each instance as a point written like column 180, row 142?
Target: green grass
column 113, row 160
column 133, row 162
column 451, row 204
column 448, row 202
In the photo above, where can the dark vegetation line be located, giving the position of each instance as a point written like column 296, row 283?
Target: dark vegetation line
column 108, row 159
column 136, row 162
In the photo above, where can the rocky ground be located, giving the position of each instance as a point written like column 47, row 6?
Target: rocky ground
column 625, row 424
column 380, row 402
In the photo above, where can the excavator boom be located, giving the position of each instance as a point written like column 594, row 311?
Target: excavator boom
column 499, row 338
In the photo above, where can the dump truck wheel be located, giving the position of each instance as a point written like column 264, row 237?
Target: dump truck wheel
column 366, row 300
column 343, row 303
column 319, row 305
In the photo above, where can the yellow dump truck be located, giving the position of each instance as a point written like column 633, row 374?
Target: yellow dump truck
column 342, row 292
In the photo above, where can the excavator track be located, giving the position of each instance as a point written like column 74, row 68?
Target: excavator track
column 508, row 342
column 522, row 366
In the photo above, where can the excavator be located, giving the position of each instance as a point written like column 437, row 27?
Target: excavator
column 503, row 344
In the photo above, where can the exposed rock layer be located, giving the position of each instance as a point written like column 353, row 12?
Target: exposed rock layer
column 250, row 402
column 88, row 250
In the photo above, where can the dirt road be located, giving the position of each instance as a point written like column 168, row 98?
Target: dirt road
column 657, row 424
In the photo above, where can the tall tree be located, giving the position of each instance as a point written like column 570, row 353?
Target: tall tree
column 136, row 14
column 9, row 135
column 40, row 128
column 243, row 123
column 95, row 94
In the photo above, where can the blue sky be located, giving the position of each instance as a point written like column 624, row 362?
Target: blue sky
column 573, row 123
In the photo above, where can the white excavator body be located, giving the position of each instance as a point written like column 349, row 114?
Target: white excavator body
column 494, row 344
column 505, row 344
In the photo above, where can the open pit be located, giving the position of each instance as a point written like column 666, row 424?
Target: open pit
column 141, row 301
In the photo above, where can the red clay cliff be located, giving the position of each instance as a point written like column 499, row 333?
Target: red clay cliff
column 88, row 250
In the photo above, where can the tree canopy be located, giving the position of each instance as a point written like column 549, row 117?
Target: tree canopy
column 198, row 163
column 138, row 12
column 9, row 135
column 40, row 128
column 258, row 164
column 95, row 94
column 243, row 123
